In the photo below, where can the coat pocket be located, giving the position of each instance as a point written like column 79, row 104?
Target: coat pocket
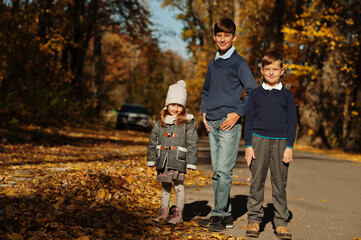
column 158, row 151
column 181, row 154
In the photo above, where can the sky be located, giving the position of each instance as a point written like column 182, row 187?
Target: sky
column 167, row 28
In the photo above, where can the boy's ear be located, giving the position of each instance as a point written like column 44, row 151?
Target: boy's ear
column 282, row 71
column 234, row 37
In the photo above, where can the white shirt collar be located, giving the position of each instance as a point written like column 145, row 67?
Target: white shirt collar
column 267, row 87
column 226, row 55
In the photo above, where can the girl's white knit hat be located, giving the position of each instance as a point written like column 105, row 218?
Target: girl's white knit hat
column 177, row 93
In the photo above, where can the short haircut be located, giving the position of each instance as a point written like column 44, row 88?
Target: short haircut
column 271, row 57
column 224, row 25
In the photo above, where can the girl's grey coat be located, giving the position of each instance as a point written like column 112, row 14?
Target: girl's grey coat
column 175, row 144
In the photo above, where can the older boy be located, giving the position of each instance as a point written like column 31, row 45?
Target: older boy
column 270, row 131
column 222, row 107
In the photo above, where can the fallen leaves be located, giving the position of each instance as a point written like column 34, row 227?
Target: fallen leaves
column 222, row 236
column 82, row 184
column 332, row 152
column 241, row 183
column 14, row 236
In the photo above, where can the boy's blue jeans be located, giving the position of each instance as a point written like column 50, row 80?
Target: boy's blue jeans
column 224, row 149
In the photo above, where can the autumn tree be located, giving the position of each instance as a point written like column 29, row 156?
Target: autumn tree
column 45, row 52
column 324, row 50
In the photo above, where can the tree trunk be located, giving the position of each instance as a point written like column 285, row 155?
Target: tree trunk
column 353, row 142
column 45, row 20
column 99, row 71
column 346, row 115
column 274, row 33
column 84, row 25
column 237, row 15
column 330, row 100
column 309, row 115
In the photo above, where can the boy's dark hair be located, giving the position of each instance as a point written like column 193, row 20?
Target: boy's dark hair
column 224, row 25
column 272, row 56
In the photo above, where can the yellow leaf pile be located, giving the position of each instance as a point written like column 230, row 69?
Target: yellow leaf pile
column 82, row 184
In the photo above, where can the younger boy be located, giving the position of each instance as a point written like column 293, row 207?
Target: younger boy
column 222, row 107
column 270, row 131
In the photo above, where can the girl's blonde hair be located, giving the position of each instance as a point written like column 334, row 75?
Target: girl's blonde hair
column 180, row 119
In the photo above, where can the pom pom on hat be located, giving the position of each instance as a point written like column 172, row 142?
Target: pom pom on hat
column 177, row 93
column 182, row 83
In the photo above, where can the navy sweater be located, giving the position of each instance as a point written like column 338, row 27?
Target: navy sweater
column 223, row 86
column 271, row 114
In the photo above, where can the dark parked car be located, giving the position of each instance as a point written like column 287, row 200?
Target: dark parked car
column 133, row 116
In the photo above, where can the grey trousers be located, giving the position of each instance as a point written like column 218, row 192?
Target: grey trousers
column 269, row 153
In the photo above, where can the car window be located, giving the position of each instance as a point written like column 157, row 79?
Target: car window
column 134, row 109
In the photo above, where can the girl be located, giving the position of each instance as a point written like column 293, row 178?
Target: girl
column 172, row 150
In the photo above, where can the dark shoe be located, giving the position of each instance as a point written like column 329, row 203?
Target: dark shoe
column 283, row 232
column 204, row 222
column 252, row 230
column 228, row 221
column 216, row 224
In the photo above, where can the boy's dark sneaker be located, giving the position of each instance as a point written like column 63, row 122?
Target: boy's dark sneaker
column 283, row 232
column 216, row 224
column 252, row 230
column 204, row 222
column 228, row 221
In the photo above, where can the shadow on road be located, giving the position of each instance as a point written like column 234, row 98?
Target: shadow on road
column 268, row 217
column 202, row 208
column 196, row 209
column 239, row 205
column 58, row 137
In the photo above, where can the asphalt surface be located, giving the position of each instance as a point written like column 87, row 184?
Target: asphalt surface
column 324, row 197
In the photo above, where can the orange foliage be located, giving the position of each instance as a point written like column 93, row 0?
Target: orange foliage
column 75, row 183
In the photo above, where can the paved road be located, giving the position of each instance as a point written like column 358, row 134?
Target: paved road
column 324, row 197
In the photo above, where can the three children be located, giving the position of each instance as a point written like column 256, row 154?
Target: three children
column 270, row 129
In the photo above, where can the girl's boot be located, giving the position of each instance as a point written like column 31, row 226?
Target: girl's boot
column 162, row 215
column 177, row 217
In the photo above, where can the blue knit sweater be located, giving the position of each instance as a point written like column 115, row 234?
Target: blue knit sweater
column 271, row 114
column 223, row 86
